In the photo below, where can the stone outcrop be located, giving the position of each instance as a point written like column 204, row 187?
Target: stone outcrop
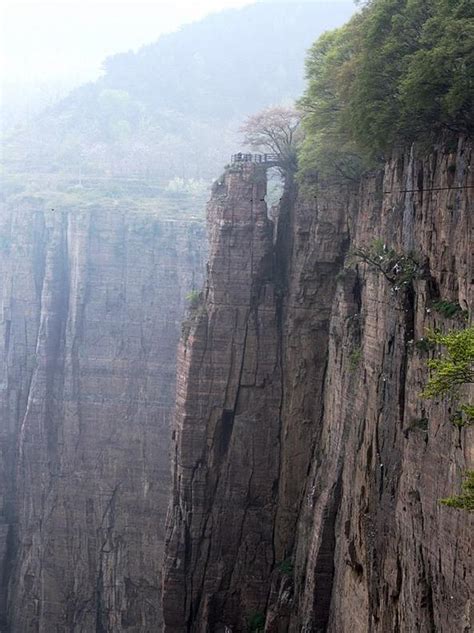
column 91, row 303
column 229, row 393
column 307, row 468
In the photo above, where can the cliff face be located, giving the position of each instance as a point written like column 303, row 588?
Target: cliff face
column 91, row 309
column 398, row 560
column 229, row 391
column 307, row 468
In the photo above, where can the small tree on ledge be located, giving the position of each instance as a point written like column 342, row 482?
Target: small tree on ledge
column 276, row 130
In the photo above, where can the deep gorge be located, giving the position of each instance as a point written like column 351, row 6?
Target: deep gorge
column 305, row 489
column 261, row 421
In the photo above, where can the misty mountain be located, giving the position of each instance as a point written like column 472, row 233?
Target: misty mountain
column 169, row 112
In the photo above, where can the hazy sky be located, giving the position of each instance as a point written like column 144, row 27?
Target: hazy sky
column 45, row 40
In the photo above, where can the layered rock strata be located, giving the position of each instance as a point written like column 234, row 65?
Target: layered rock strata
column 227, row 426
column 91, row 307
column 375, row 550
column 308, row 498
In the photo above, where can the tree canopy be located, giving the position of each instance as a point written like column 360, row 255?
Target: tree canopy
column 398, row 71
column 276, row 130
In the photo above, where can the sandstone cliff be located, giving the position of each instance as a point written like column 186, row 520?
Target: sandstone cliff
column 307, row 469
column 91, row 305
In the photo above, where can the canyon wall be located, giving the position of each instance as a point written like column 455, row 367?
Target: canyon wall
column 92, row 302
column 307, row 469
column 229, row 391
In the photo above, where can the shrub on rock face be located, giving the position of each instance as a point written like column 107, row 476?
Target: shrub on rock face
column 193, row 298
column 256, row 622
column 449, row 309
column 463, row 416
column 354, row 358
column 399, row 269
column 465, row 500
column 449, row 372
column 455, row 367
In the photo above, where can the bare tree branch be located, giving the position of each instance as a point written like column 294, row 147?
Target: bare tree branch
column 275, row 129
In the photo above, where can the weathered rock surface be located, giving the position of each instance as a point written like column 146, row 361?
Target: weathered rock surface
column 375, row 550
column 229, row 391
column 308, row 469
column 91, row 307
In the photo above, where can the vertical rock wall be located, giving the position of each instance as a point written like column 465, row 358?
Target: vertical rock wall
column 344, row 462
column 375, row 550
column 220, row 527
column 91, row 308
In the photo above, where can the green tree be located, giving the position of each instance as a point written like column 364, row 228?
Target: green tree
column 438, row 86
column 449, row 372
column 454, row 368
column 399, row 269
column 329, row 146
column 399, row 71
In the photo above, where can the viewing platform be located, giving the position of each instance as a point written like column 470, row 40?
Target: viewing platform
column 268, row 160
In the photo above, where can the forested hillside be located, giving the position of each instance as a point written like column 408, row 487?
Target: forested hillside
column 164, row 119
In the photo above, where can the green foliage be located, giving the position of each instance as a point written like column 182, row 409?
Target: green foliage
column 127, row 194
column 399, row 70
column 468, row 410
column 193, row 298
column 465, row 500
column 419, row 423
column 424, row 345
column 328, row 146
column 354, row 358
column 286, row 567
column 437, row 88
column 255, row 622
column 449, row 309
column 235, row 168
column 399, row 269
column 455, row 367
column 463, row 416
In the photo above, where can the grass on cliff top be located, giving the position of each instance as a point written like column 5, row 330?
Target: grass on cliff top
column 144, row 206
column 174, row 200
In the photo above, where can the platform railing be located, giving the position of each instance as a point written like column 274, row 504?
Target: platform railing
column 255, row 158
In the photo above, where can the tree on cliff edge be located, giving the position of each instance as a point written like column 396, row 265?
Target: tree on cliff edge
column 276, row 130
